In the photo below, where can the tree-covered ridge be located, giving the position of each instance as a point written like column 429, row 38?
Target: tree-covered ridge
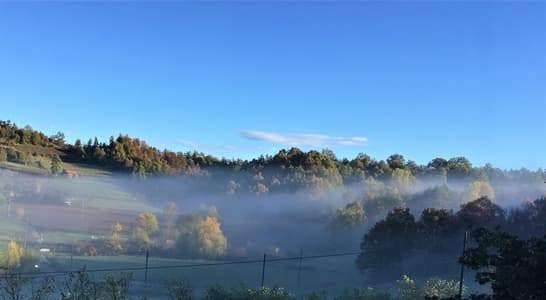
column 11, row 134
column 287, row 169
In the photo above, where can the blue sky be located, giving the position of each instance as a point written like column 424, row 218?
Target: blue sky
column 241, row 79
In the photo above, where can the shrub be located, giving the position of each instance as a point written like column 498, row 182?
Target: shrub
column 218, row 292
column 441, row 288
column 180, row 290
column 364, row 294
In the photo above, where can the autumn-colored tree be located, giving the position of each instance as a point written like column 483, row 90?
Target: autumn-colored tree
column 115, row 243
column 402, row 180
column 373, row 188
column 169, row 213
column 396, row 161
column 479, row 189
column 212, row 241
column 202, row 236
column 13, row 255
column 146, row 226
column 349, row 216
column 148, row 222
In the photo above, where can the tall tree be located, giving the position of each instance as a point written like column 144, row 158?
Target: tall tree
column 56, row 165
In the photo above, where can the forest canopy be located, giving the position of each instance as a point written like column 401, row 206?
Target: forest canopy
column 287, row 170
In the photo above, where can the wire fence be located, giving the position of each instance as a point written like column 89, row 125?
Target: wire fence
column 301, row 274
column 264, row 261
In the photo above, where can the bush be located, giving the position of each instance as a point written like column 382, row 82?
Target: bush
column 364, row 294
column 407, row 289
column 79, row 285
column 3, row 155
column 116, row 287
column 440, row 288
column 218, row 292
column 180, row 290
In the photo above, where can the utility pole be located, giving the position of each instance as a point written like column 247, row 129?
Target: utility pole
column 263, row 270
column 461, row 278
column 146, row 270
column 299, row 267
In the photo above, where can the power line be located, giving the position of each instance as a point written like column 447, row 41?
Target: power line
column 104, row 270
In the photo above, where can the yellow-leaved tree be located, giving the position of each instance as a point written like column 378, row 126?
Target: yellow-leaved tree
column 212, row 242
column 479, row 189
column 13, row 255
column 146, row 226
column 201, row 236
column 114, row 243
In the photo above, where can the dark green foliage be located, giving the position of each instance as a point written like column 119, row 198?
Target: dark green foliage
column 381, row 245
column 529, row 220
column 515, row 268
column 480, row 212
column 458, row 167
column 396, row 161
column 399, row 236
column 436, row 226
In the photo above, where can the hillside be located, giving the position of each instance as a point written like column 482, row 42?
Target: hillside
column 29, row 150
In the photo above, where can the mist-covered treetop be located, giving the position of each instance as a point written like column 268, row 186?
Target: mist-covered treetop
column 322, row 168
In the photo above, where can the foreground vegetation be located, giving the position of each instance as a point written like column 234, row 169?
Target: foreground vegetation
column 82, row 285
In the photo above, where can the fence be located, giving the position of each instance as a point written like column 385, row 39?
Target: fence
column 301, row 274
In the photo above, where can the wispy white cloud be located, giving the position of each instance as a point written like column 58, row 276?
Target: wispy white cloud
column 188, row 144
column 193, row 145
column 303, row 139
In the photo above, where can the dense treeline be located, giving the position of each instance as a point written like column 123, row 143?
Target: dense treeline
column 11, row 134
column 287, row 170
column 401, row 236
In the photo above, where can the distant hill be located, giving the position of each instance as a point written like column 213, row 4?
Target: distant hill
column 28, row 150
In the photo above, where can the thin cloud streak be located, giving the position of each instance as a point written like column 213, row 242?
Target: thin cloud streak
column 302, row 139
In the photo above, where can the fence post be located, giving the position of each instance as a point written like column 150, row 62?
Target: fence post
column 299, row 268
column 146, row 269
column 71, row 254
column 263, row 270
column 462, row 268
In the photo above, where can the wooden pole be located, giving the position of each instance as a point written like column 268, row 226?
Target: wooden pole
column 299, row 268
column 146, row 270
column 263, row 270
column 461, row 278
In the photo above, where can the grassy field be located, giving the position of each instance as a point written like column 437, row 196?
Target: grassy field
column 103, row 193
column 26, row 169
column 54, row 211
column 329, row 275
